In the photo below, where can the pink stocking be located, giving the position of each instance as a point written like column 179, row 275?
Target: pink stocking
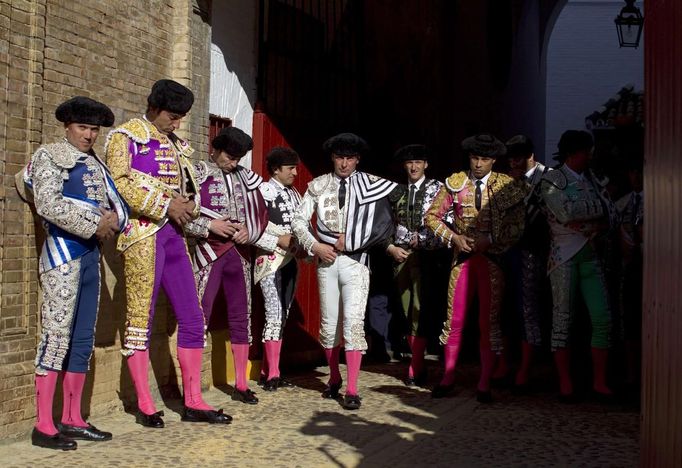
column 524, row 368
column 410, row 342
column 190, row 365
column 45, row 386
column 487, row 365
column 451, row 353
column 462, row 296
column 333, row 361
column 562, row 359
column 72, row 387
column 353, row 361
column 264, row 371
column 418, row 347
column 272, row 352
column 138, row 365
column 599, row 364
column 241, row 357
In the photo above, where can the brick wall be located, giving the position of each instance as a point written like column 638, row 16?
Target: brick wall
column 51, row 50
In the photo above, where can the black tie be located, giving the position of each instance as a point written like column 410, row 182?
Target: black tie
column 342, row 193
column 410, row 204
column 478, row 195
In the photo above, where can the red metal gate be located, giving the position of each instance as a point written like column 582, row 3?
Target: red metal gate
column 308, row 88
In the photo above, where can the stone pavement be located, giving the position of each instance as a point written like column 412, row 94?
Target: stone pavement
column 396, row 426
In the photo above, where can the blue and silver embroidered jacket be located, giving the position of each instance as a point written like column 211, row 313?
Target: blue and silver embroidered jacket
column 69, row 189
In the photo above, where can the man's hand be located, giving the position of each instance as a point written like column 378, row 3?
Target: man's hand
column 189, row 206
column 325, row 252
column 114, row 216
column 463, row 243
column 222, row 227
column 180, row 210
column 340, row 243
column 284, row 241
column 242, row 234
column 108, row 225
column 399, row 254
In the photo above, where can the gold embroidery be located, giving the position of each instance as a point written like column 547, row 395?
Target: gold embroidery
column 496, row 292
column 147, row 196
column 139, row 270
column 454, row 276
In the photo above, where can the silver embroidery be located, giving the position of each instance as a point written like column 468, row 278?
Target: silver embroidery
column 48, row 181
column 60, row 292
column 275, row 314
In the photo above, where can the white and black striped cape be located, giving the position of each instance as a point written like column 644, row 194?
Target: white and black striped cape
column 256, row 219
column 369, row 219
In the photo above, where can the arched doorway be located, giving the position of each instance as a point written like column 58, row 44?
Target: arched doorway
column 585, row 66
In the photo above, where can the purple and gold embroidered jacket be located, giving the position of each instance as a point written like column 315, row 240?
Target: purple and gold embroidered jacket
column 148, row 168
column 234, row 196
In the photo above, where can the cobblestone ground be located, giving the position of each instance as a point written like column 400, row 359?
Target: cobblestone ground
column 396, row 426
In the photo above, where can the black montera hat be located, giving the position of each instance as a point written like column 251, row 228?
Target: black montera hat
column 519, row 146
column 572, row 141
column 81, row 109
column 171, row 96
column 233, row 141
column 411, row 153
column 345, row 144
column 280, row 156
column 484, row 144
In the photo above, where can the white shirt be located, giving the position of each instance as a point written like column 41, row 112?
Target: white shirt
column 484, row 180
column 417, row 184
column 531, row 171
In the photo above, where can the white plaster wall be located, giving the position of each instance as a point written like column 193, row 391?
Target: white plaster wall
column 585, row 65
column 234, row 62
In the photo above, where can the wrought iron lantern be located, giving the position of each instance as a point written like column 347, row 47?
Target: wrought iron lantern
column 629, row 24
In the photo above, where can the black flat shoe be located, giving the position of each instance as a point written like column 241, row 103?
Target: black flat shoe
column 351, row 402
column 422, row 378
column 150, row 420
column 245, row 396
column 271, row 385
column 284, row 383
column 332, row 390
column 57, row 442
column 441, row 391
column 418, row 381
column 84, row 433
column 484, row 396
column 209, row 416
column 262, row 380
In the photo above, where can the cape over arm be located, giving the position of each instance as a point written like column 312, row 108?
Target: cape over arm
column 50, row 202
